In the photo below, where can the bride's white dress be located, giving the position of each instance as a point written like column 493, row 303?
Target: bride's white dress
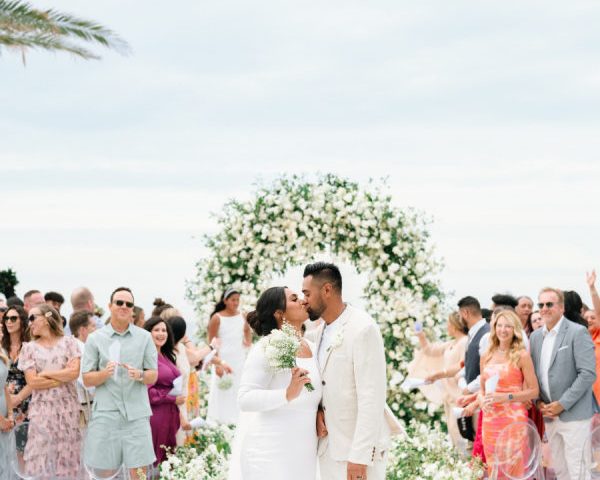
column 276, row 439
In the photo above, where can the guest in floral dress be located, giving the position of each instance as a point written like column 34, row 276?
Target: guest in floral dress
column 15, row 335
column 508, row 358
column 51, row 366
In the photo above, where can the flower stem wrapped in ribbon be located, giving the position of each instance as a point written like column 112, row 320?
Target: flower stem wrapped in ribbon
column 281, row 347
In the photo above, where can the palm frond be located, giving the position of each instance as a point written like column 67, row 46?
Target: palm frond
column 24, row 27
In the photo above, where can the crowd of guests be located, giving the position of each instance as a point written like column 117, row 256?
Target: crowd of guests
column 117, row 393
column 511, row 363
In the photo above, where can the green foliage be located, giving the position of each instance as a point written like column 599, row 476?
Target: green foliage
column 8, row 282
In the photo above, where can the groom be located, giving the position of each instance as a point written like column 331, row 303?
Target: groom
column 355, row 434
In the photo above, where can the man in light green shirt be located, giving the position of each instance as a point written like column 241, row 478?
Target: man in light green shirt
column 119, row 360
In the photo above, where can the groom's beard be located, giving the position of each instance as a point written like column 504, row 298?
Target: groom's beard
column 315, row 314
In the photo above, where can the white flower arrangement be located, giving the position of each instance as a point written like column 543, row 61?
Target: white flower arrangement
column 281, row 347
column 292, row 220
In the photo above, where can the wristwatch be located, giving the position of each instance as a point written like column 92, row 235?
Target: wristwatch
column 510, row 397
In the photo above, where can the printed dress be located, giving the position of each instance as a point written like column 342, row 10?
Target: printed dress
column 54, row 437
column 503, row 414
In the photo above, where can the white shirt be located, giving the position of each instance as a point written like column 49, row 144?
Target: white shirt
column 329, row 332
column 546, row 355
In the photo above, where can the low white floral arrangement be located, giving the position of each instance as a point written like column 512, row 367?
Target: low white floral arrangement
column 426, row 453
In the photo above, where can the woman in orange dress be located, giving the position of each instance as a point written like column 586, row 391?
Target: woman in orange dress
column 517, row 384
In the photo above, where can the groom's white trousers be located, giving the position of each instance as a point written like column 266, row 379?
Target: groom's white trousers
column 335, row 470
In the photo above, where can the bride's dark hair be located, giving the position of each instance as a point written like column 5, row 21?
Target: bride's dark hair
column 262, row 320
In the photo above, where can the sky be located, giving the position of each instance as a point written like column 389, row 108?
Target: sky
column 483, row 115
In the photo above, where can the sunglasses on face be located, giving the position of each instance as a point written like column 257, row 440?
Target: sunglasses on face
column 12, row 319
column 547, row 305
column 3, row 309
column 31, row 318
column 120, row 303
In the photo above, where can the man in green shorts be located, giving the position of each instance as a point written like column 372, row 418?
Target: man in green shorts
column 120, row 359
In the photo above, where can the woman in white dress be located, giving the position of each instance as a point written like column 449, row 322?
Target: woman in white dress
column 228, row 325
column 276, row 437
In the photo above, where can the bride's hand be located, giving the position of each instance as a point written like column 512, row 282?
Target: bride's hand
column 299, row 379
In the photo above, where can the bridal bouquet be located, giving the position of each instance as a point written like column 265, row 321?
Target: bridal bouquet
column 281, row 347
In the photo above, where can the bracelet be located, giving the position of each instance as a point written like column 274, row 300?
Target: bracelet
column 141, row 377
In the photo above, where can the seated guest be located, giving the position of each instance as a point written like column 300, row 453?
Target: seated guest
column 565, row 364
column 51, row 366
column 507, row 358
column 165, row 420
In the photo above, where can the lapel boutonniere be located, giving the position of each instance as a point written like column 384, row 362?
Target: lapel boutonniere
column 337, row 340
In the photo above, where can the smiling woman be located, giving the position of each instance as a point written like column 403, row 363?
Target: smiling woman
column 165, row 411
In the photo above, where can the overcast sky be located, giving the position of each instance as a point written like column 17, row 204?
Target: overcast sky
column 485, row 115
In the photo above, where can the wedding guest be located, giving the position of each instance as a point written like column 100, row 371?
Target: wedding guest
column 83, row 299
column 504, row 299
column 523, row 309
column 14, row 301
column 119, row 432
column 31, row 299
column 54, row 299
column 82, row 325
column 179, row 327
column 470, row 311
column 165, row 418
column 3, row 306
column 446, row 359
column 138, row 316
column 6, row 421
column 592, row 317
column 536, row 320
column 51, row 365
column 353, row 407
column 565, row 364
column 228, row 325
column 15, row 334
column 159, row 306
column 508, row 359
column 573, row 307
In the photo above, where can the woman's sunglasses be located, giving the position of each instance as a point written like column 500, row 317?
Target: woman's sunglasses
column 12, row 319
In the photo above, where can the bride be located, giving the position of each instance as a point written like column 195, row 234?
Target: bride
column 276, row 435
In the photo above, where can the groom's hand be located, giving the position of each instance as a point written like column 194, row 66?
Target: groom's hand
column 356, row 471
column 321, row 427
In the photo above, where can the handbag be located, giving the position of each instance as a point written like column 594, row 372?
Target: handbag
column 465, row 427
column 85, row 411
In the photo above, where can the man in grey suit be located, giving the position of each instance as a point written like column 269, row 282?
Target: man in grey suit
column 565, row 365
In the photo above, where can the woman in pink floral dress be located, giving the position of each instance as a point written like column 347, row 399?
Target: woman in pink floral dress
column 51, row 366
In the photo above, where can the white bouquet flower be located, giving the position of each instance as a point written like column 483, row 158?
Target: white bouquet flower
column 281, row 347
column 225, row 382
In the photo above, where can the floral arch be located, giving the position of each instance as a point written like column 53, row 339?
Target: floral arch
column 289, row 222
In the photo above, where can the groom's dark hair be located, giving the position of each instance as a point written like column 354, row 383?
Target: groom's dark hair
column 325, row 272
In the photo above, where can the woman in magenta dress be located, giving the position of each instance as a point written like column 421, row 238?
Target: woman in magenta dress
column 165, row 412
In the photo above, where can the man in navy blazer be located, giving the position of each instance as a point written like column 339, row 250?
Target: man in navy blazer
column 565, row 365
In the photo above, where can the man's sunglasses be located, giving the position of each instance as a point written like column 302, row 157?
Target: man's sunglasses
column 547, row 305
column 12, row 319
column 120, row 303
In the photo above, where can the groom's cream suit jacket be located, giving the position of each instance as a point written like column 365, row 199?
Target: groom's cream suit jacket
column 354, row 389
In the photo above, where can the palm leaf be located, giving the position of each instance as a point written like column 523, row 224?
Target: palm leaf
column 24, row 27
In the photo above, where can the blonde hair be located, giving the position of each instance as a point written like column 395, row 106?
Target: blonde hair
column 457, row 322
column 168, row 313
column 53, row 318
column 516, row 346
column 559, row 293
